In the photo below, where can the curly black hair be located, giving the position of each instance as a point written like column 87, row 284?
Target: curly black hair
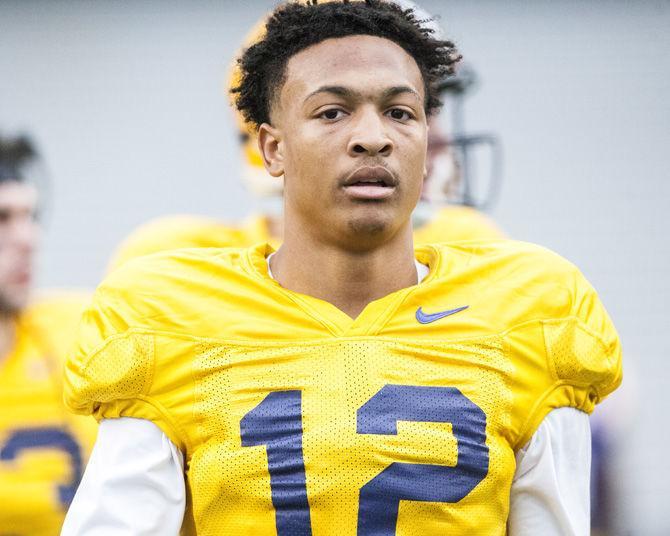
column 295, row 26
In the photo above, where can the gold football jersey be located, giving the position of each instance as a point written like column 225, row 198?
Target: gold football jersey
column 43, row 448
column 296, row 419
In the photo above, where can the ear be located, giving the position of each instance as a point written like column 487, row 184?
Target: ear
column 269, row 139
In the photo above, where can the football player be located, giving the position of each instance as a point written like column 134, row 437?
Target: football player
column 442, row 216
column 42, row 448
column 346, row 383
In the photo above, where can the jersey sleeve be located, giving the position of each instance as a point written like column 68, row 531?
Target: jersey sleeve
column 584, row 350
column 113, row 370
column 578, row 354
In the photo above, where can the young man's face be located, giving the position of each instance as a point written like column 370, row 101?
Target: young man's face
column 351, row 131
column 18, row 237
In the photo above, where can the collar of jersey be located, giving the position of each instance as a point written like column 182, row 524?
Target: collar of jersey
column 370, row 321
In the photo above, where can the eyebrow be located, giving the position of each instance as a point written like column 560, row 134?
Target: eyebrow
column 343, row 91
column 398, row 90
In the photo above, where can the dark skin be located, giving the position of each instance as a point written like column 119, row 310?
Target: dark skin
column 349, row 136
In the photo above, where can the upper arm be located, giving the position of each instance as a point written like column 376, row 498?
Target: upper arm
column 584, row 348
column 134, row 482
column 550, row 490
column 571, row 354
column 128, row 359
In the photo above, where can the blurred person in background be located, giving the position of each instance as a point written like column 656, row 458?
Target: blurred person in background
column 443, row 215
column 43, row 448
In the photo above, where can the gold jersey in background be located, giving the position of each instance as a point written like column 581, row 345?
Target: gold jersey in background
column 448, row 224
column 456, row 223
column 43, row 448
column 189, row 231
column 296, row 419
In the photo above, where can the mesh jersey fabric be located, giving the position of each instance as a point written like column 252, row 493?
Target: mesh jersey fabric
column 291, row 415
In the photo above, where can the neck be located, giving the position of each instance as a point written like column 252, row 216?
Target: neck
column 7, row 335
column 275, row 226
column 349, row 280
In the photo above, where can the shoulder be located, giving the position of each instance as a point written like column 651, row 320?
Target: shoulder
column 509, row 263
column 168, row 286
column 527, row 287
column 558, row 331
column 176, row 265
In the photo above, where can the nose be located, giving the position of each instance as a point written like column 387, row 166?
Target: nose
column 370, row 137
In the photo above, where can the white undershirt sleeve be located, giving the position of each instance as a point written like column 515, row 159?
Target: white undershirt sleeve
column 133, row 484
column 550, row 490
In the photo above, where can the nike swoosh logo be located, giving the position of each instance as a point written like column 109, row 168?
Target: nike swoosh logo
column 428, row 318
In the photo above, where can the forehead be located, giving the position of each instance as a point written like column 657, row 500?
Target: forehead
column 361, row 62
column 17, row 195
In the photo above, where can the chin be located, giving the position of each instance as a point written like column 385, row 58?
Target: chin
column 364, row 232
column 368, row 227
column 365, row 226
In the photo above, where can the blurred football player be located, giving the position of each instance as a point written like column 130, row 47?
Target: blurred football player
column 441, row 216
column 42, row 448
column 346, row 383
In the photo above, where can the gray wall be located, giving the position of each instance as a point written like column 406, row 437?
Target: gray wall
column 126, row 100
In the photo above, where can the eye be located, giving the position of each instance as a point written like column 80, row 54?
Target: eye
column 332, row 114
column 400, row 114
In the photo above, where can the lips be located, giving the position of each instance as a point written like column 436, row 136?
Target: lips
column 370, row 182
column 371, row 175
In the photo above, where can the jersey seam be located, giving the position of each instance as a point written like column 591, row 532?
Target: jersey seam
column 308, row 341
column 523, row 436
column 558, row 382
column 148, row 380
column 299, row 342
column 433, row 274
column 584, row 327
column 307, row 308
column 302, row 305
column 171, row 421
column 384, row 317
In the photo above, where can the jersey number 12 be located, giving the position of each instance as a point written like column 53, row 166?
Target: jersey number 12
column 277, row 423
